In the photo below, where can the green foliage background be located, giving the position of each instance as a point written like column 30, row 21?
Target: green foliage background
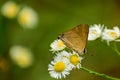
column 55, row 17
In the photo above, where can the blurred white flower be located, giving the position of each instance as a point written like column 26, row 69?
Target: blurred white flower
column 95, row 31
column 21, row 56
column 10, row 9
column 59, row 68
column 27, row 17
column 57, row 45
column 75, row 60
column 111, row 34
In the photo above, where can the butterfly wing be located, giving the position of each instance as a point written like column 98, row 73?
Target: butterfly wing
column 76, row 38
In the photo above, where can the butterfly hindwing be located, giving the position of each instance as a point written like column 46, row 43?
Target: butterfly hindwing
column 76, row 38
column 82, row 31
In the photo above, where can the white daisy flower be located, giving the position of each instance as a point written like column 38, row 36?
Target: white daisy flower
column 111, row 34
column 63, row 54
column 59, row 68
column 10, row 9
column 21, row 56
column 95, row 31
column 75, row 60
column 27, row 17
column 57, row 45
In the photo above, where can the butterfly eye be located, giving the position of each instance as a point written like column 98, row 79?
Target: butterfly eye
column 61, row 35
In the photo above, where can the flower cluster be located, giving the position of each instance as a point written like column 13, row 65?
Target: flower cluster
column 25, row 15
column 64, row 60
column 101, row 31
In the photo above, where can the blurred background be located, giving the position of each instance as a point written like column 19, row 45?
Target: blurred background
column 48, row 19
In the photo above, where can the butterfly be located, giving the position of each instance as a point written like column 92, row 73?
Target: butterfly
column 76, row 38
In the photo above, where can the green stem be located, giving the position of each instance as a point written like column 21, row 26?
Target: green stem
column 115, row 48
column 3, row 35
column 99, row 74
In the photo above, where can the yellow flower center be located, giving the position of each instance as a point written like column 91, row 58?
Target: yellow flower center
column 25, row 17
column 23, row 59
column 93, row 32
column 74, row 59
column 60, row 44
column 12, row 10
column 59, row 66
column 113, row 34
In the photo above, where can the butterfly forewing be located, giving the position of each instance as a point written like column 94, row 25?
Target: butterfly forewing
column 76, row 38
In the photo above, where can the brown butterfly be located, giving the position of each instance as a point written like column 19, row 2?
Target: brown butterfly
column 76, row 38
